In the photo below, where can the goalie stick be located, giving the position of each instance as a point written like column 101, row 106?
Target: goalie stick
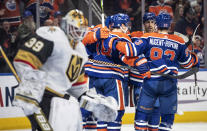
column 182, row 76
column 39, row 116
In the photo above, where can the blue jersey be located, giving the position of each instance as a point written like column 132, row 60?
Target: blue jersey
column 103, row 51
column 164, row 52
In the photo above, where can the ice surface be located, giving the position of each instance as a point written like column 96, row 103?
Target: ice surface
column 176, row 127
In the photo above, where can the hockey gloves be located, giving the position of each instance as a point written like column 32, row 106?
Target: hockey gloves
column 102, row 33
column 142, row 66
column 196, row 62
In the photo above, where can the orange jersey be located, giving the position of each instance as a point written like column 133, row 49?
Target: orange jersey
column 157, row 9
column 90, row 37
column 137, row 34
column 11, row 12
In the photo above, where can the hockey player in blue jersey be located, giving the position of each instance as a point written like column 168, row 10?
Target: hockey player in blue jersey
column 149, row 22
column 108, row 79
column 165, row 54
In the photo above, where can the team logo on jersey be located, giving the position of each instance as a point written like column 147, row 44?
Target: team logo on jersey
column 138, row 42
column 11, row 5
column 74, row 68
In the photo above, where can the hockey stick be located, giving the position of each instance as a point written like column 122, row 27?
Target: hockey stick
column 102, row 14
column 195, row 75
column 39, row 116
column 182, row 76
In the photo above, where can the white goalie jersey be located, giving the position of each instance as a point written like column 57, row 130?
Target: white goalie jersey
column 50, row 46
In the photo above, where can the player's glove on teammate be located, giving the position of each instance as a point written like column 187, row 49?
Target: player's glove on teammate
column 142, row 66
column 102, row 33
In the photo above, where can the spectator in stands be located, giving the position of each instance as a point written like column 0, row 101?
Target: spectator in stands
column 197, row 44
column 66, row 6
column 12, row 42
column 27, row 26
column 57, row 18
column 160, row 6
column 5, row 44
column 5, row 35
column 56, row 4
column 186, row 25
column 46, row 9
column 9, row 11
column 131, row 8
column 48, row 22
column 178, row 11
column 198, row 15
column 198, row 48
column 25, row 29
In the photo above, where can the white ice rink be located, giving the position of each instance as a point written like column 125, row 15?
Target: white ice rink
column 177, row 127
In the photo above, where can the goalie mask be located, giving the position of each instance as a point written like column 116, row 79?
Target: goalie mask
column 75, row 25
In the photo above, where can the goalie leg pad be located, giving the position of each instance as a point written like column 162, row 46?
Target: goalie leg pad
column 65, row 114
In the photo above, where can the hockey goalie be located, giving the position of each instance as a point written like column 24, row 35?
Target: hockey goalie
column 49, row 64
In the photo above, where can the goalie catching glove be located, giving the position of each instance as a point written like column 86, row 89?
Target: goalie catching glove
column 103, row 108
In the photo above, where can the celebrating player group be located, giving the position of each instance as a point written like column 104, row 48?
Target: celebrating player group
column 78, row 77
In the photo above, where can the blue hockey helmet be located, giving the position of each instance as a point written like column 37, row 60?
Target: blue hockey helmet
column 163, row 20
column 27, row 13
column 108, row 21
column 118, row 19
column 149, row 16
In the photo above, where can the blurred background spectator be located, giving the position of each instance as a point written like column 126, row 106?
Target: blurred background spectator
column 10, row 11
column 45, row 9
column 57, row 18
column 160, row 6
column 197, row 46
column 5, row 43
column 48, row 22
column 187, row 24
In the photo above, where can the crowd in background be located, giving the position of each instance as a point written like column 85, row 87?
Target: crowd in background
column 18, row 18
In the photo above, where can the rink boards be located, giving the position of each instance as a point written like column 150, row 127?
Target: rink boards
column 190, row 108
